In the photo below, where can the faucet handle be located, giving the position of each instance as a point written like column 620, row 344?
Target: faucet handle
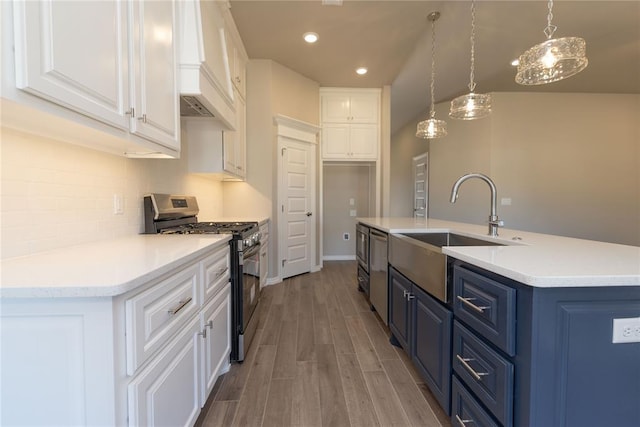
column 497, row 222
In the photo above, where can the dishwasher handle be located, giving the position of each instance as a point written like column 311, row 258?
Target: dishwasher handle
column 381, row 236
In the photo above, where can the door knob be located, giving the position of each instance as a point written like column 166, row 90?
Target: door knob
column 309, row 214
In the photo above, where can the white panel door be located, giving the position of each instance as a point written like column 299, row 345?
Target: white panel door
column 154, row 83
column 297, row 165
column 420, row 187
column 74, row 53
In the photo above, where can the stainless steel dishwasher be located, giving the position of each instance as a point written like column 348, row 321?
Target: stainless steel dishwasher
column 378, row 272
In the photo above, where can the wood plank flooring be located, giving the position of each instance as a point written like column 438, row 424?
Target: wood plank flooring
column 321, row 357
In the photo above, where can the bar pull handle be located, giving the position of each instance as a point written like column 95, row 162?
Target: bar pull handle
column 468, row 302
column 462, row 422
column 221, row 272
column 477, row 375
column 180, row 306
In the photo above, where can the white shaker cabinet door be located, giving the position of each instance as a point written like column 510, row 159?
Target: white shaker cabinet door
column 364, row 141
column 365, row 108
column 166, row 393
column 74, row 53
column 216, row 321
column 154, row 84
column 335, row 141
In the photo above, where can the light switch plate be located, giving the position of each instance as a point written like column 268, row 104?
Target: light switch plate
column 118, row 204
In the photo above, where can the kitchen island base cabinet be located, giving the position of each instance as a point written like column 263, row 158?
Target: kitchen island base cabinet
column 565, row 369
column 422, row 326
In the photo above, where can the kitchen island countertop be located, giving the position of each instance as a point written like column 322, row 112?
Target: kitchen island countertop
column 535, row 259
column 104, row 268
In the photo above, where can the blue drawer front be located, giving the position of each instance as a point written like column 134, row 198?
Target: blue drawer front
column 487, row 306
column 485, row 372
column 465, row 411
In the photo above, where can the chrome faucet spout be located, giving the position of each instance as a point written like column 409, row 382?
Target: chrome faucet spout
column 494, row 222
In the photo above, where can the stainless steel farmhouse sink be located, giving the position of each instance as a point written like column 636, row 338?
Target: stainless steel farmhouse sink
column 419, row 257
column 449, row 239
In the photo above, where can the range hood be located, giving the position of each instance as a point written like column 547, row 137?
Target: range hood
column 204, row 76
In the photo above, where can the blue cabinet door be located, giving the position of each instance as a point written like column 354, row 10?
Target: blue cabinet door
column 431, row 345
column 399, row 288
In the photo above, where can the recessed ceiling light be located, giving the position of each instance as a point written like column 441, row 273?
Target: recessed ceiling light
column 361, row 70
column 310, row 37
column 515, row 62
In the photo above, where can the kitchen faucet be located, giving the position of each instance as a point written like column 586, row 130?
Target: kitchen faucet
column 494, row 222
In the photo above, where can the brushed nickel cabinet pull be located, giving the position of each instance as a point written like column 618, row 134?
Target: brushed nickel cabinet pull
column 477, row 375
column 468, row 302
column 179, row 307
column 462, row 422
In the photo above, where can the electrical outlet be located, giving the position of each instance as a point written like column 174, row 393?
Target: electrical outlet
column 346, row 236
column 352, row 212
column 626, row 330
column 505, row 201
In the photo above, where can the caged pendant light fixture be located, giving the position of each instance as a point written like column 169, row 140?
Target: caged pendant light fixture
column 432, row 128
column 472, row 105
column 552, row 60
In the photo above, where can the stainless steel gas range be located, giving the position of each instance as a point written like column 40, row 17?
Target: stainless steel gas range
column 175, row 214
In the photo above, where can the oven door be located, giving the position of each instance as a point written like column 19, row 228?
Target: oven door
column 250, row 283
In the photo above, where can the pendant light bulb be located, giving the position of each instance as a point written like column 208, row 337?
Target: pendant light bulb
column 553, row 59
column 472, row 105
column 432, row 127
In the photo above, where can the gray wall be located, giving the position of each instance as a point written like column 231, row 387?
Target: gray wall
column 569, row 162
column 342, row 182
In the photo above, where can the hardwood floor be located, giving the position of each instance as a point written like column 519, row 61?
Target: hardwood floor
column 321, row 357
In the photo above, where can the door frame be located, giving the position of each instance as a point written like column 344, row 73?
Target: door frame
column 289, row 129
column 414, row 162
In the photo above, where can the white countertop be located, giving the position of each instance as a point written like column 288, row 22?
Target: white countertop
column 534, row 259
column 101, row 269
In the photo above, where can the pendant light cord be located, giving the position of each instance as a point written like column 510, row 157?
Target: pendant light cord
column 433, row 67
column 472, row 84
column 551, row 29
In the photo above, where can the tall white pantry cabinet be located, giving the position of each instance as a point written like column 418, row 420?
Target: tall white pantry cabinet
column 350, row 122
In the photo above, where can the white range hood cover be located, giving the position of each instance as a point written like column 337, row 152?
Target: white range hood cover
column 204, row 75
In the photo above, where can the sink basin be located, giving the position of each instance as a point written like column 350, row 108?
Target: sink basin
column 449, row 239
column 419, row 257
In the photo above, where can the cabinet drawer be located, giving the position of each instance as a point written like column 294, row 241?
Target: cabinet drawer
column 487, row 306
column 155, row 315
column 485, row 372
column 465, row 410
column 215, row 273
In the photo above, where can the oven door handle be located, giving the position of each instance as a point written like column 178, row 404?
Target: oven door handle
column 251, row 251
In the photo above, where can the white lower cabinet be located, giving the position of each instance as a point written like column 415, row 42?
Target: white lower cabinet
column 167, row 392
column 215, row 331
column 149, row 357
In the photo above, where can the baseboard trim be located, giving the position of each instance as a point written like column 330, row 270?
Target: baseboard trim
column 339, row 258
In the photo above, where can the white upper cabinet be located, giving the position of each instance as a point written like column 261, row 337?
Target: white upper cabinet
column 154, row 83
column 340, row 106
column 350, row 124
column 110, row 61
column 79, row 63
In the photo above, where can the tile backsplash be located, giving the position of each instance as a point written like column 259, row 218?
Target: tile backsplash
column 55, row 194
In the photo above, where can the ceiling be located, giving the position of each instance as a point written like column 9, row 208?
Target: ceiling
column 393, row 39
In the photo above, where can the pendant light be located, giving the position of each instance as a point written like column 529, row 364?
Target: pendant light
column 432, row 128
column 472, row 105
column 552, row 60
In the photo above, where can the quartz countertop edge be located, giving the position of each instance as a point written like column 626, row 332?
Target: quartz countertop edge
column 104, row 268
column 534, row 259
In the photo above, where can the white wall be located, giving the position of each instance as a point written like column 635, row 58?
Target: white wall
column 569, row 162
column 55, row 194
